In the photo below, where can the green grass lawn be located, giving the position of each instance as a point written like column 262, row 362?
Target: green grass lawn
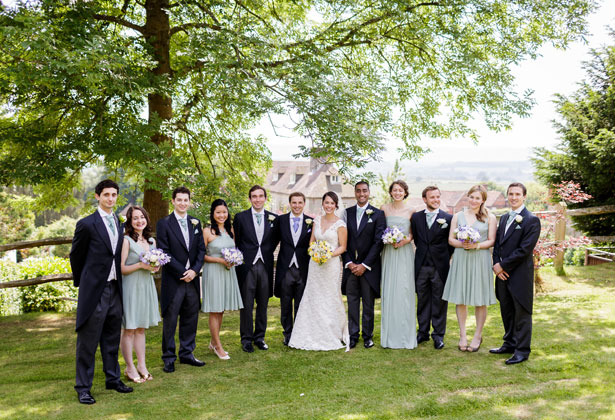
column 570, row 374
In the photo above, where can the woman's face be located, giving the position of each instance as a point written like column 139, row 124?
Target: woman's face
column 476, row 199
column 220, row 214
column 397, row 192
column 328, row 205
column 138, row 220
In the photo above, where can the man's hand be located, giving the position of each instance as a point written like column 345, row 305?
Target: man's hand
column 499, row 271
column 358, row 270
column 189, row 275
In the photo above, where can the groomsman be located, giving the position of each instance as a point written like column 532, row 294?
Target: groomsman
column 430, row 229
column 513, row 264
column 95, row 263
column 295, row 231
column 181, row 237
column 361, row 277
column 257, row 238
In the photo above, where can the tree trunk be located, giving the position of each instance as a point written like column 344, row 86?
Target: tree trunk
column 157, row 34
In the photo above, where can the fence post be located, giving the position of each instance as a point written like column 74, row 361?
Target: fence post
column 560, row 236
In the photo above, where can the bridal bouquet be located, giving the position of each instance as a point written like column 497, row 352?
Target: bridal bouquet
column 467, row 234
column 392, row 235
column 320, row 251
column 233, row 256
column 155, row 257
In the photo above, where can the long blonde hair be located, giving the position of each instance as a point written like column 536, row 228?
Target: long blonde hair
column 483, row 213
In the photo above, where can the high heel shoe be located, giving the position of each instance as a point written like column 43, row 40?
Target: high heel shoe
column 475, row 349
column 215, row 350
column 462, row 348
column 136, row 380
column 146, row 377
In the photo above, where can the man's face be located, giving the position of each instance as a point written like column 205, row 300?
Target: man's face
column 361, row 193
column 181, row 203
column 257, row 198
column 107, row 199
column 515, row 197
column 296, row 205
column 432, row 200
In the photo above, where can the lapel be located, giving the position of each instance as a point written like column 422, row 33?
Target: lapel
column 99, row 224
column 251, row 227
column 513, row 225
column 351, row 218
column 364, row 219
column 304, row 228
column 267, row 226
column 190, row 230
column 177, row 230
column 285, row 227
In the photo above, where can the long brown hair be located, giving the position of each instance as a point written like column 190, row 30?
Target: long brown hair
column 130, row 231
column 482, row 214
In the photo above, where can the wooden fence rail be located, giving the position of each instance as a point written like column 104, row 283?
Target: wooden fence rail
column 34, row 244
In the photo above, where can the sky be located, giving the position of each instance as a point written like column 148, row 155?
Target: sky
column 554, row 72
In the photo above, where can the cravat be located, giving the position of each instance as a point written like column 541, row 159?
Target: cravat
column 259, row 218
column 111, row 223
column 184, row 224
column 296, row 223
column 430, row 217
column 359, row 215
column 511, row 218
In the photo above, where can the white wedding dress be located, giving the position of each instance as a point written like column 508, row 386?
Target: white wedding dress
column 321, row 322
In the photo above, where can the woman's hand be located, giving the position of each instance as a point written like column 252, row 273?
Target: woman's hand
column 401, row 243
column 469, row 245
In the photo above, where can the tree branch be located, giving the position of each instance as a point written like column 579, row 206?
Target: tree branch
column 119, row 21
column 186, row 26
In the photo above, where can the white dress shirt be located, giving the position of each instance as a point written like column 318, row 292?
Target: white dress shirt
column 112, row 237
column 518, row 211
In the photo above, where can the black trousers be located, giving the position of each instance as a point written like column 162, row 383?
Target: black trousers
column 516, row 319
column 359, row 291
column 103, row 327
column 291, row 293
column 254, row 288
column 185, row 306
column 431, row 309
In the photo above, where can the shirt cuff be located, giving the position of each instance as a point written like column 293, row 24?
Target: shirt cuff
column 367, row 266
column 347, row 264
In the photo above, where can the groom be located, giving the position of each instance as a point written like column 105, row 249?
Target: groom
column 295, row 230
column 513, row 264
column 95, row 263
column 181, row 237
column 430, row 229
column 361, row 277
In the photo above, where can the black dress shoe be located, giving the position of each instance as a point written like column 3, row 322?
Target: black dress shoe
column 248, row 347
column 286, row 341
column 193, row 361
column 261, row 345
column 438, row 344
column 502, row 350
column 368, row 344
column 85, row 397
column 353, row 343
column 421, row 340
column 517, row 358
column 169, row 367
column 120, row 387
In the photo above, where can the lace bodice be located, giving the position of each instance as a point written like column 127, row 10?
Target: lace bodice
column 329, row 235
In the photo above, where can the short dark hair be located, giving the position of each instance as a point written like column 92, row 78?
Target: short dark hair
column 296, row 194
column 427, row 189
column 333, row 196
column 181, row 190
column 517, row 184
column 402, row 184
column 361, row 182
column 254, row 188
column 129, row 230
column 106, row 183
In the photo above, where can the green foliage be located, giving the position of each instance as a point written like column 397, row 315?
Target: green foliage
column 381, row 191
column 16, row 218
column 10, row 299
column 65, row 226
column 586, row 153
column 77, row 77
column 574, row 256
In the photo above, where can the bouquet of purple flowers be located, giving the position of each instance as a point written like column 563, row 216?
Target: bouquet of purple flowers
column 467, row 234
column 232, row 255
column 155, row 257
column 392, row 235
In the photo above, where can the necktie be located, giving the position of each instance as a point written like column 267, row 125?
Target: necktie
column 184, row 224
column 359, row 215
column 430, row 217
column 296, row 223
column 511, row 218
column 111, row 223
column 259, row 218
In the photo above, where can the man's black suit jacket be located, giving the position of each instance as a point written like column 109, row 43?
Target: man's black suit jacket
column 247, row 242
column 364, row 245
column 514, row 250
column 91, row 256
column 288, row 248
column 169, row 238
column 433, row 240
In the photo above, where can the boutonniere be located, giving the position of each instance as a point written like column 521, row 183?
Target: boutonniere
column 122, row 218
column 194, row 222
column 308, row 222
column 369, row 213
column 271, row 218
column 442, row 222
column 518, row 218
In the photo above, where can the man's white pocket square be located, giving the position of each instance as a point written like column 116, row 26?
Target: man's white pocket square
column 518, row 227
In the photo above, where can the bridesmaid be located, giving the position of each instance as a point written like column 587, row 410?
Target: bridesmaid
column 398, row 325
column 139, row 298
column 470, row 279
column 220, row 288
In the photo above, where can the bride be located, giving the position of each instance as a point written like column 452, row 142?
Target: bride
column 321, row 322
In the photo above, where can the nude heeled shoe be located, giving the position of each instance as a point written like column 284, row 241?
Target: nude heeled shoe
column 215, row 350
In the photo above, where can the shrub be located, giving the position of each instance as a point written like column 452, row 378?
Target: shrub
column 46, row 297
column 10, row 299
column 62, row 227
column 575, row 256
